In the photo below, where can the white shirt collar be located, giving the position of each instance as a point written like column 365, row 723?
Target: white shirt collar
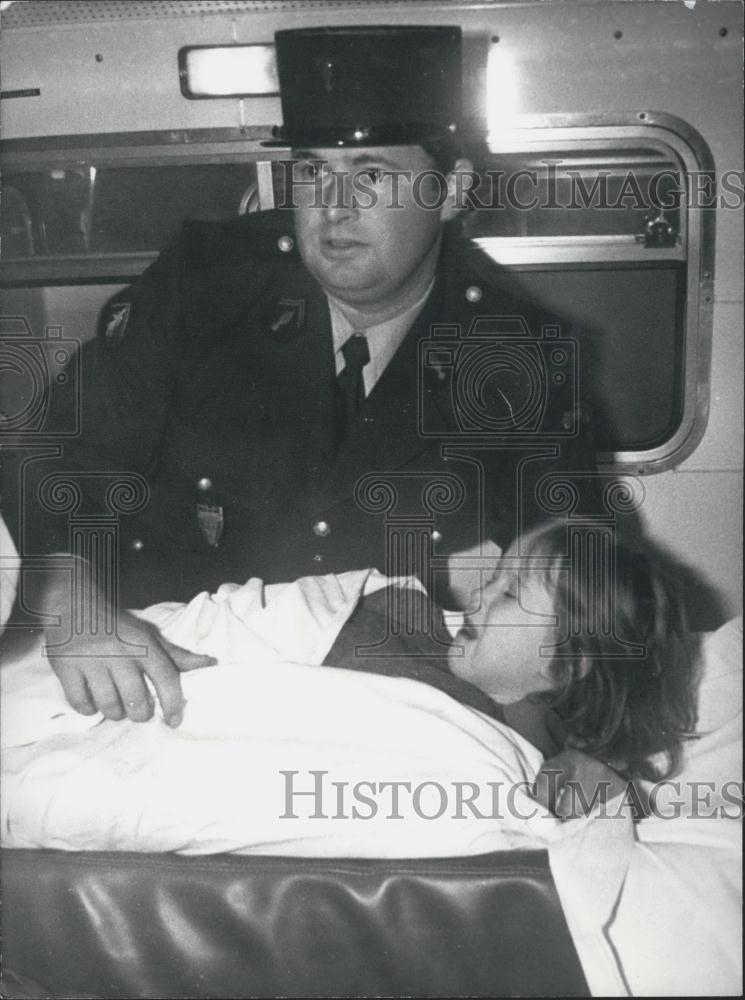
column 383, row 339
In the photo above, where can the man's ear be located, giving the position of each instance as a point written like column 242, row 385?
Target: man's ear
column 460, row 180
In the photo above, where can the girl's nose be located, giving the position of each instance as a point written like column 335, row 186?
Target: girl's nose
column 477, row 605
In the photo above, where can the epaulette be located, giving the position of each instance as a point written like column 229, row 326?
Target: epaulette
column 254, row 237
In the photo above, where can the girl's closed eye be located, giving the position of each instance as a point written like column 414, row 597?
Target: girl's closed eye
column 502, row 653
column 507, row 587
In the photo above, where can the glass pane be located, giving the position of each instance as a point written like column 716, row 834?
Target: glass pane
column 574, row 194
column 614, row 314
column 117, row 209
column 17, row 232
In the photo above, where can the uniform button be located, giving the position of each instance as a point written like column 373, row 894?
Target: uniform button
column 285, row 243
column 436, row 536
column 204, row 484
column 137, row 545
column 317, row 557
column 322, row 529
column 473, row 293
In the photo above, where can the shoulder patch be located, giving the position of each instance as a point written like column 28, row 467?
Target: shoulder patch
column 116, row 320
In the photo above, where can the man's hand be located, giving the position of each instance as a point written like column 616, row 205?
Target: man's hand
column 569, row 784
column 94, row 680
column 101, row 668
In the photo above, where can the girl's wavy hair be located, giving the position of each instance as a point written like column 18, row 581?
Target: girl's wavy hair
column 633, row 712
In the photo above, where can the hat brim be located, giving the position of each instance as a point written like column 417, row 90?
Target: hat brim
column 408, row 134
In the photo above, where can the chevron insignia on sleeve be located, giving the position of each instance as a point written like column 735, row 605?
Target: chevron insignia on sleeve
column 116, row 320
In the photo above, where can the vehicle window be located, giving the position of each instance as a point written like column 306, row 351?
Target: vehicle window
column 612, row 229
column 94, row 209
column 570, row 193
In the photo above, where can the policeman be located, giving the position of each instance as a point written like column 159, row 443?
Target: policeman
column 335, row 384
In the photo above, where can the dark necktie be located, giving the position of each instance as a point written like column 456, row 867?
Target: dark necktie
column 350, row 381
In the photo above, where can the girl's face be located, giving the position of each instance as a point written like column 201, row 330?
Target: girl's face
column 499, row 649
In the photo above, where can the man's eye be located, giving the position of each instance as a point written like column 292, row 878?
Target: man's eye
column 309, row 171
column 373, row 174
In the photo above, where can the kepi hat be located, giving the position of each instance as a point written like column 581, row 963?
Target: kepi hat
column 368, row 86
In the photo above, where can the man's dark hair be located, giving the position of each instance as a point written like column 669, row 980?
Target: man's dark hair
column 444, row 152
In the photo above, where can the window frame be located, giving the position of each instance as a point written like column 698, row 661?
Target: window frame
column 544, row 133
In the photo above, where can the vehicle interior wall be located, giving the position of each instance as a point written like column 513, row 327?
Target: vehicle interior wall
column 107, row 67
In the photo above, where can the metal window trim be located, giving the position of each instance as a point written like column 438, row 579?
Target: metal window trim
column 135, row 156
column 37, row 272
column 534, row 133
column 512, row 251
column 151, row 142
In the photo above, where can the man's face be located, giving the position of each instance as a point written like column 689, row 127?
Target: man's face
column 362, row 225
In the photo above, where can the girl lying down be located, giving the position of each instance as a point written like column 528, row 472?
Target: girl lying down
column 561, row 660
column 275, row 754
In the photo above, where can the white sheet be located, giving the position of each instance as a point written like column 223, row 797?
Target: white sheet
column 653, row 908
column 659, row 913
column 217, row 784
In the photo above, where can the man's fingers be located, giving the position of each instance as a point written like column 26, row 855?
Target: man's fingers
column 74, row 686
column 104, row 694
column 164, row 674
column 115, row 686
column 184, row 659
column 163, row 664
column 134, row 694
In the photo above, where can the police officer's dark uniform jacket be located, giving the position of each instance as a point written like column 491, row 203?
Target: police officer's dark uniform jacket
column 209, row 409
column 216, row 385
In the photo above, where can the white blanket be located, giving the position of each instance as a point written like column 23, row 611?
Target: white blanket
column 260, row 732
column 653, row 908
